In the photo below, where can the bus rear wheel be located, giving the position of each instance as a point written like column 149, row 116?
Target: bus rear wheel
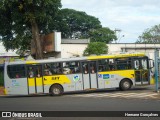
column 125, row 84
column 56, row 90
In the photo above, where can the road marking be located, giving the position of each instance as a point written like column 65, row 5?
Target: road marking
column 120, row 95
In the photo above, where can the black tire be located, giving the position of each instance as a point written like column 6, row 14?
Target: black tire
column 56, row 90
column 125, row 84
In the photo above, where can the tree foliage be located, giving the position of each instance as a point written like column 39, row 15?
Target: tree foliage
column 151, row 35
column 102, row 35
column 23, row 20
column 96, row 48
column 75, row 24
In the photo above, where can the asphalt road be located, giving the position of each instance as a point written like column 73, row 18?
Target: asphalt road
column 67, row 103
column 83, row 102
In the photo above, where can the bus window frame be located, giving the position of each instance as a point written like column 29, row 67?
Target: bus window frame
column 25, row 75
column 51, row 68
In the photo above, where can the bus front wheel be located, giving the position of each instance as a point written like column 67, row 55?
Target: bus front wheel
column 125, row 84
column 56, row 90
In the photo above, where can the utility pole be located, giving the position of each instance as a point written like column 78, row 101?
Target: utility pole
column 118, row 35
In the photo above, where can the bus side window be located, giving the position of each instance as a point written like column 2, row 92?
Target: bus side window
column 31, row 73
column 38, row 71
column 56, row 68
column 144, row 64
column 47, row 69
column 16, row 71
column 136, row 65
column 92, row 69
column 102, row 65
column 111, row 64
column 85, row 68
column 17, row 75
column 75, row 67
column 66, row 69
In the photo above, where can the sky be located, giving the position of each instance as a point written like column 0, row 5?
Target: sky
column 132, row 17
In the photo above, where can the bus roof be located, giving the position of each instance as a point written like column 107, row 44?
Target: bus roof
column 80, row 58
column 117, row 56
column 48, row 60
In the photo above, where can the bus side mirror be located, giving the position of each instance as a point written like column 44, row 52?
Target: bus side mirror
column 151, row 63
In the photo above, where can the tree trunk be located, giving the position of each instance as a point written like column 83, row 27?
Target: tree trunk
column 36, row 40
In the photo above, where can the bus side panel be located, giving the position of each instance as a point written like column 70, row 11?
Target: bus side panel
column 39, row 85
column 93, row 78
column 16, row 86
column 31, row 85
column 76, row 82
column 86, row 81
column 46, row 88
column 104, row 80
column 101, row 81
column 112, row 78
column 56, row 79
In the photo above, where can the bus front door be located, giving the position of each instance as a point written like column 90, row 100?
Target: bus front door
column 89, row 75
column 35, row 81
column 141, row 71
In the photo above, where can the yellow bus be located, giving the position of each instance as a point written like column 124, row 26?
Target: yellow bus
column 56, row 76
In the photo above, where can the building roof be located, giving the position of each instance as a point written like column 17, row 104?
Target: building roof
column 9, row 54
column 75, row 41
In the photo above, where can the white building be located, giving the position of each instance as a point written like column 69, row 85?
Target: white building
column 72, row 48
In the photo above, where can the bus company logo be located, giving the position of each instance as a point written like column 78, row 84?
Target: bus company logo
column 76, row 78
column 6, row 114
column 99, row 75
column 106, row 76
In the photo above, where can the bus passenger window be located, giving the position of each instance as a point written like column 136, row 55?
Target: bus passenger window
column 111, row 65
column 17, row 75
column 55, row 68
column 31, row 73
column 38, row 71
column 46, row 72
column 136, row 65
column 102, row 65
column 16, row 71
column 92, row 69
column 85, row 68
column 71, row 67
column 47, row 69
column 144, row 64
column 66, row 69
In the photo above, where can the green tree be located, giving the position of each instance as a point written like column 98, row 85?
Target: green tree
column 104, row 34
column 23, row 20
column 96, row 48
column 151, row 35
column 75, row 24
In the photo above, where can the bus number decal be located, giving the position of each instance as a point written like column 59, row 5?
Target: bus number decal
column 55, row 78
